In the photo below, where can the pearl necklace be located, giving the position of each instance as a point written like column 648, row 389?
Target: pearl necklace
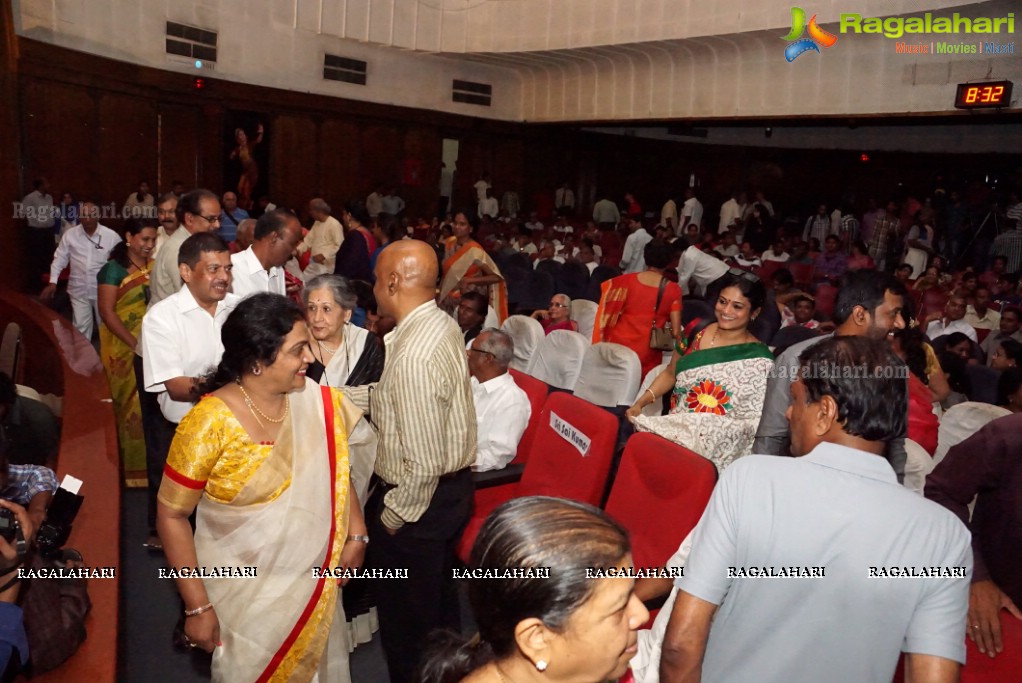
column 258, row 413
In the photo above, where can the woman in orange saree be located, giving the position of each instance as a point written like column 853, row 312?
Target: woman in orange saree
column 469, row 267
column 264, row 459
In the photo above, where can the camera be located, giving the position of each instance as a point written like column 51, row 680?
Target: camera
column 56, row 528
column 8, row 525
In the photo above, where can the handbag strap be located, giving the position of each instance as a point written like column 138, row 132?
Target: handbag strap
column 659, row 297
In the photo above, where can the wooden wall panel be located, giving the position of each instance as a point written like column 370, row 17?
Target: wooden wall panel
column 58, row 124
column 294, row 155
column 381, row 156
column 342, row 177
column 125, row 146
column 179, row 146
column 423, row 149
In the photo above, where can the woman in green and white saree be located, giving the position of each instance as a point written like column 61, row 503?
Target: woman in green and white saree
column 718, row 378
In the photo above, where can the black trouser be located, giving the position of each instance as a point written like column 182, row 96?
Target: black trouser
column 410, row 608
column 41, row 246
column 158, row 432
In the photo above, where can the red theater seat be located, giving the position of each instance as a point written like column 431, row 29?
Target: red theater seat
column 555, row 465
column 537, row 392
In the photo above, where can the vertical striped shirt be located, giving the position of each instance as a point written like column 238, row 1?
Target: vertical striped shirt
column 423, row 409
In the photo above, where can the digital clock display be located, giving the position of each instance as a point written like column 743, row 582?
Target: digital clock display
column 983, row 95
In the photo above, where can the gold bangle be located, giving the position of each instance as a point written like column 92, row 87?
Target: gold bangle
column 198, row 610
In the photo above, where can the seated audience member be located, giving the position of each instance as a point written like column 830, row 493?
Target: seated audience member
column 986, row 467
column 776, row 252
column 758, row 518
column 930, row 279
column 803, row 307
column 952, row 319
column 29, row 432
column 260, row 268
column 502, row 408
column 1008, row 328
column 567, row 627
column 1007, row 355
column 998, row 266
column 586, row 254
column 953, row 369
column 727, row 249
column 1005, row 291
column 548, row 252
column 831, row 265
column 958, row 344
column 860, row 258
column 13, row 640
column 557, row 317
column 180, row 344
column 979, row 314
column 868, row 304
column 472, row 311
column 967, row 283
column 524, row 242
column 903, row 273
column 244, row 236
column 747, row 257
column 1009, row 390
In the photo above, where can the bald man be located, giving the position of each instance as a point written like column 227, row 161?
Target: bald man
column 422, row 407
column 244, row 237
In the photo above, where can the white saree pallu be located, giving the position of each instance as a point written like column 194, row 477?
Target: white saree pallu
column 284, row 624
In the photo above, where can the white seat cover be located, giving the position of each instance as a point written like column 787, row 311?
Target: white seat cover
column 918, row 464
column 558, row 359
column 961, row 422
column 527, row 334
column 583, row 312
column 610, row 375
column 655, row 408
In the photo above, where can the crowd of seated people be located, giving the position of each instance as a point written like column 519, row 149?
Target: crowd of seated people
column 884, row 278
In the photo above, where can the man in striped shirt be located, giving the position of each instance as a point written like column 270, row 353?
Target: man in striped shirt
column 885, row 232
column 423, row 409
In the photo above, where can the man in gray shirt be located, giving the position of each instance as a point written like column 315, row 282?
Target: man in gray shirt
column 868, row 304
column 821, row 567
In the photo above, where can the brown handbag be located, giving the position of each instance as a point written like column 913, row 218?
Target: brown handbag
column 661, row 338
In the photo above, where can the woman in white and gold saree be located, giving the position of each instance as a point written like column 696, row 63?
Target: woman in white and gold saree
column 264, row 458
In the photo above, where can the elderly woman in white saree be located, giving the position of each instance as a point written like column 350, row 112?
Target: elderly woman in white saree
column 719, row 380
column 264, row 457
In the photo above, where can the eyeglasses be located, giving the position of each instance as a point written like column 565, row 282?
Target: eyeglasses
column 557, row 304
column 209, row 219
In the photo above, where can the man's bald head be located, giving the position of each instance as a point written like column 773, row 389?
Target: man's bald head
column 406, row 276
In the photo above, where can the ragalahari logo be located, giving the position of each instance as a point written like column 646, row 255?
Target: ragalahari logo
column 817, row 36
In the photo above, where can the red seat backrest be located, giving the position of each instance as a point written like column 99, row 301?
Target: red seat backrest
column 826, row 296
column 1007, row 666
column 767, row 270
column 802, row 273
column 537, row 392
column 556, row 467
column 659, row 495
column 981, row 335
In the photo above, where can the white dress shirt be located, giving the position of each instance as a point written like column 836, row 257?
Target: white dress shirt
column 938, row 328
column 730, row 211
column 324, row 238
column 180, row 339
column 251, row 278
column 502, row 413
column 691, row 212
column 86, row 255
column 700, row 266
column 38, row 210
column 633, row 259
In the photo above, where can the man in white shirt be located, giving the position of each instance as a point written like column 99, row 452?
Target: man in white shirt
column 181, row 344
column 952, row 320
column 502, row 408
column 86, row 247
column 699, row 266
column 760, row 200
column 691, row 211
column 564, row 200
column 731, row 212
column 776, row 252
column 633, row 259
column 374, row 202
column 727, row 247
column 260, row 268
column 166, row 214
column 323, row 240
column 481, row 186
column 196, row 211
column 38, row 211
column 488, row 205
column 605, row 213
column 979, row 315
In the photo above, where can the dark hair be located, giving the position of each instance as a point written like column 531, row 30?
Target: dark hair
column 271, row 222
column 783, row 276
column 132, row 226
column 481, row 302
column 657, row 255
column 1015, row 310
column 166, row 197
column 471, row 216
column 1013, row 350
column 189, row 203
column 253, row 333
column 799, row 299
column 1008, row 383
column 872, row 404
column 531, row 532
column 748, row 284
column 38, row 183
column 195, row 246
column 956, row 338
column 957, row 377
column 864, row 288
column 913, row 348
column 8, row 390
column 359, row 212
column 903, row 266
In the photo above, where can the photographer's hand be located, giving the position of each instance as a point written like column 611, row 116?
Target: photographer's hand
column 9, row 552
